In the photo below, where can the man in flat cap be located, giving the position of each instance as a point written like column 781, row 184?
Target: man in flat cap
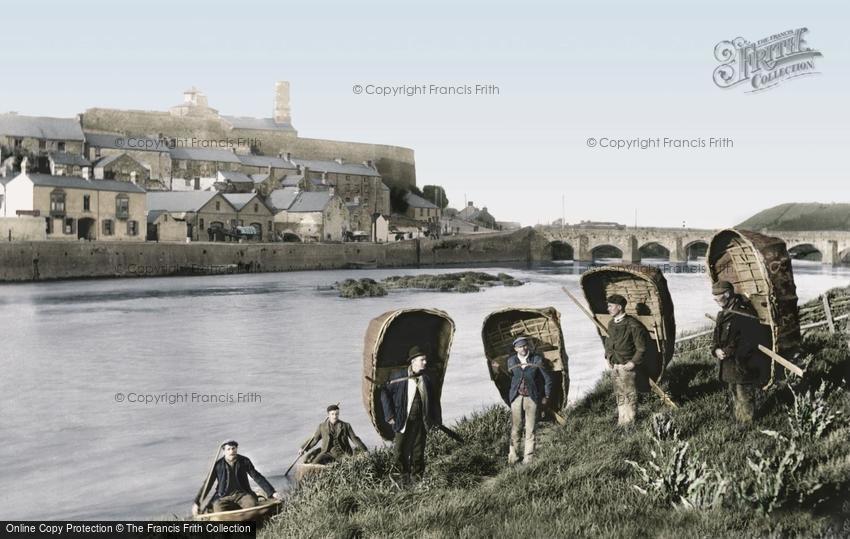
column 411, row 407
column 531, row 387
column 230, row 474
column 737, row 334
column 624, row 350
column 335, row 435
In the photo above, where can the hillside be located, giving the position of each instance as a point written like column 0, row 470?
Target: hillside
column 689, row 473
column 801, row 216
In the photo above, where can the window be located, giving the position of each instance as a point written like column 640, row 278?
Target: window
column 202, row 224
column 256, row 207
column 57, row 203
column 42, row 144
column 70, row 226
column 49, row 225
column 97, row 153
column 234, row 223
column 19, row 142
column 217, row 205
column 86, row 202
column 107, row 227
column 270, row 226
column 60, row 146
column 132, row 228
column 122, row 207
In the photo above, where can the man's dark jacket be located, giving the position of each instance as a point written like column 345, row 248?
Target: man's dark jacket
column 738, row 333
column 538, row 380
column 243, row 467
column 341, row 439
column 394, row 401
column 626, row 341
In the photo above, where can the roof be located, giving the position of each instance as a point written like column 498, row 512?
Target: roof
column 41, row 127
column 252, row 160
column 259, row 178
column 282, row 199
column 153, row 215
column 247, row 122
column 416, row 201
column 118, row 141
column 103, row 161
column 75, row 182
column 179, row 201
column 65, row 158
column 333, row 166
column 310, row 201
column 235, row 177
column 238, row 200
column 291, row 180
column 204, row 154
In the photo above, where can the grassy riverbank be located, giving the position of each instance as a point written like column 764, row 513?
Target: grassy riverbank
column 692, row 472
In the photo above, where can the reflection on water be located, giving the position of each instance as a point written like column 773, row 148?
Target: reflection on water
column 70, row 347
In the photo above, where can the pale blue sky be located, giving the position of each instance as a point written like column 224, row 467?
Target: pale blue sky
column 566, row 72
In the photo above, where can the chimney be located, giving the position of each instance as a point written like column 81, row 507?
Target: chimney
column 338, row 160
column 133, row 177
column 24, row 164
column 370, row 164
column 279, row 155
column 281, row 103
column 86, row 173
column 298, row 169
column 324, row 176
column 197, row 184
column 289, row 157
column 469, row 204
column 331, row 190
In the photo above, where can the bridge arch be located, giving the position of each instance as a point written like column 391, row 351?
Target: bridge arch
column 696, row 249
column 561, row 250
column 606, row 251
column 806, row 251
column 654, row 249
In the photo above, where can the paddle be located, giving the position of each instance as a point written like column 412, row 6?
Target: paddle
column 293, row 464
column 665, row 398
column 238, row 511
column 770, row 353
column 209, row 475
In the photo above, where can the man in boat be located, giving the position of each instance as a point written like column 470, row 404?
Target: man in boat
column 737, row 335
column 531, row 387
column 335, row 435
column 624, row 349
column 230, row 474
column 411, row 408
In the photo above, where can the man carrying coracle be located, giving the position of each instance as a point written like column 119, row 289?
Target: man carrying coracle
column 737, row 335
column 531, row 387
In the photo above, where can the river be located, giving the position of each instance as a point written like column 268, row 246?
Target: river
column 70, row 348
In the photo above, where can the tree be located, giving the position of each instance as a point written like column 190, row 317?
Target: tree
column 436, row 195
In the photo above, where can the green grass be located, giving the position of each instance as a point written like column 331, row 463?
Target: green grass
column 792, row 481
column 801, row 216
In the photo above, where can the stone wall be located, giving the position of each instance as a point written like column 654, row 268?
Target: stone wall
column 22, row 229
column 45, row 260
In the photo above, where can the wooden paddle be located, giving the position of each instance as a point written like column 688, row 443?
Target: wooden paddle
column 665, row 398
column 790, row 367
column 208, row 476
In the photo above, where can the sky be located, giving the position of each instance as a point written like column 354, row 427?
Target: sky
column 565, row 72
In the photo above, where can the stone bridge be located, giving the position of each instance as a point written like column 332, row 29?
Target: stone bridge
column 680, row 244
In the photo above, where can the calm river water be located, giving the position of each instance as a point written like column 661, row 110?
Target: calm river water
column 68, row 348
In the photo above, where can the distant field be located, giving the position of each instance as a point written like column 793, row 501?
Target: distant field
column 801, row 216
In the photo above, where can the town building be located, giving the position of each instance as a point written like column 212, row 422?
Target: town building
column 67, row 164
column 474, row 215
column 78, row 207
column 152, row 153
column 420, row 209
column 312, row 216
column 251, row 210
column 40, row 135
column 121, row 167
column 208, row 215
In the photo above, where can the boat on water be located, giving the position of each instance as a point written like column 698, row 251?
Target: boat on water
column 648, row 300
column 543, row 327
column 264, row 510
column 388, row 339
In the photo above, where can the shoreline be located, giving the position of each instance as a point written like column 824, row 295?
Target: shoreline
column 36, row 261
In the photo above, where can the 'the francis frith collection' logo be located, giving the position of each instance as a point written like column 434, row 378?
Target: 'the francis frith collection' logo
column 765, row 63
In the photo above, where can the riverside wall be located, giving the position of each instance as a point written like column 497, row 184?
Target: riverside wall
column 48, row 260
